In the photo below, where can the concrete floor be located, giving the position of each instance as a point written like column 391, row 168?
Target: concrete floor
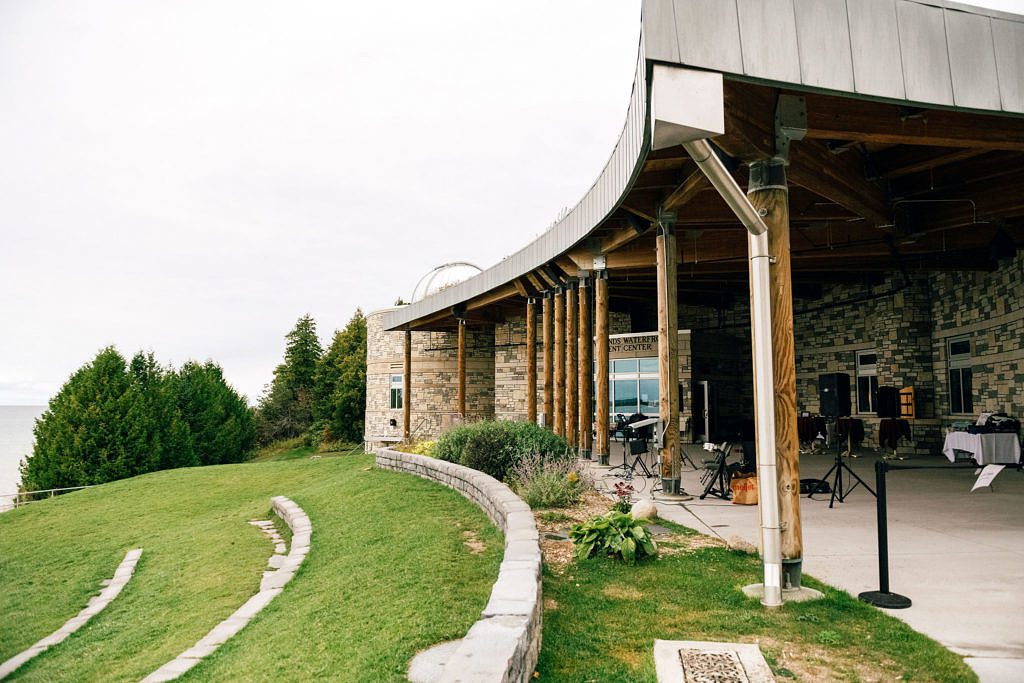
column 958, row 555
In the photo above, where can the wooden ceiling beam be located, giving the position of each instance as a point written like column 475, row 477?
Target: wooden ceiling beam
column 842, row 118
column 694, row 183
column 493, row 296
column 897, row 162
column 538, row 285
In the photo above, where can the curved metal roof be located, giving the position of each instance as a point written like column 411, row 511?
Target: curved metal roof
column 926, row 53
column 919, row 52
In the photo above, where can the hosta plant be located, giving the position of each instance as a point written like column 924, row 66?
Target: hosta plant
column 615, row 534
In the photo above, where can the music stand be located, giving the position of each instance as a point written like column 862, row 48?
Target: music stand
column 718, row 475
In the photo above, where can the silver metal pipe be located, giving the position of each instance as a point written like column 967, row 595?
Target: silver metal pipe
column 761, row 335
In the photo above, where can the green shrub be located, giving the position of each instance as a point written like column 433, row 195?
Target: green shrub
column 489, row 450
column 556, row 483
column 495, row 446
column 615, row 534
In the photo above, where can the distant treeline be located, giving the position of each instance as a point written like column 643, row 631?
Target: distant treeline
column 316, row 393
column 115, row 419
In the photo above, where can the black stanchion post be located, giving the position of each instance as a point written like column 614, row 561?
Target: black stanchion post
column 882, row 597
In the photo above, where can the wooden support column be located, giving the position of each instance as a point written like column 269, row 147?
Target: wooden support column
column 462, row 368
column 558, row 419
column 531, row 359
column 668, row 355
column 601, row 353
column 407, row 387
column 572, row 371
column 547, row 334
column 585, row 381
column 768, row 192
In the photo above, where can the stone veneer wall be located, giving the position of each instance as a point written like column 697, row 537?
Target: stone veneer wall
column 434, row 380
column 892, row 318
column 989, row 309
column 503, row 645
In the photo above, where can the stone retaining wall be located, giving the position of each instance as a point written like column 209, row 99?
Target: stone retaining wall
column 502, row 646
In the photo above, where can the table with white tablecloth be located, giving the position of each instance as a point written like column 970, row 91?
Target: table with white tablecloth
column 998, row 448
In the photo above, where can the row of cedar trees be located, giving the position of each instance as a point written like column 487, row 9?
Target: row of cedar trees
column 317, row 393
column 116, row 418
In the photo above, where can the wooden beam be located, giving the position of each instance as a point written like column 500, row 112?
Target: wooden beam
column 585, row 373
column 622, row 237
column 493, row 296
column 521, row 288
column 773, row 205
column 536, row 282
column 531, row 360
column 668, row 358
column 547, row 338
column 572, row 372
column 841, row 118
column 558, row 422
column 897, row 162
column 688, row 189
column 567, row 265
column 601, row 351
column 839, row 178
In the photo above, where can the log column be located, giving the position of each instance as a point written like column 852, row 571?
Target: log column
column 572, row 371
column 547, row 334
column 531, row 360
column 584, row 342
column 407, row 387
column 462, row 368
column 558, row 422
column 668, row 356
column 601, row 353
column 769, row 194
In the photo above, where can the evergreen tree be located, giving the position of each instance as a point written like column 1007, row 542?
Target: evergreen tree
column 286, row 407
column 219, row 421
column 340, row 386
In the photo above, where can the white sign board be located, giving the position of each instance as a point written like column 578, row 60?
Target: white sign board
column 988, row 473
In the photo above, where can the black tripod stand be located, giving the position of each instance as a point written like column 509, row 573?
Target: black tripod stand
column 840, row 487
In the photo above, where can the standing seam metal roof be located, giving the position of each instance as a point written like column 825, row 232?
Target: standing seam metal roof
column 949, row 55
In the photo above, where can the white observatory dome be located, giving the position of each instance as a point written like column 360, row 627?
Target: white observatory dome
column 443, row 277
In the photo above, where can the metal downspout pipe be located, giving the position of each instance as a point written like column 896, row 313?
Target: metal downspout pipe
column 764, row 398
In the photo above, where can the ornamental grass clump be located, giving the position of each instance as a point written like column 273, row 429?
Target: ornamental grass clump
column 615, row 534
column 548, row 483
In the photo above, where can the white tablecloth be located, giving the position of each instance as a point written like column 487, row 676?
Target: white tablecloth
column 987, row 448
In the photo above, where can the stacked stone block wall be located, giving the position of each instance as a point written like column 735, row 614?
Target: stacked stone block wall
column 434, row 399
column 987, row 308
column 503, row 645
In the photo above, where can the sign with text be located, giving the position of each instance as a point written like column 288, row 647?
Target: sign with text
column 633, row 346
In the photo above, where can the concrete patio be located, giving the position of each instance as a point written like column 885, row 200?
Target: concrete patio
column 958, row 555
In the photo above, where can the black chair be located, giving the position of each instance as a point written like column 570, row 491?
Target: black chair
column 717, row 473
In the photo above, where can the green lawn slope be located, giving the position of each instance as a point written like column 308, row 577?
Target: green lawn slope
column 389, row 573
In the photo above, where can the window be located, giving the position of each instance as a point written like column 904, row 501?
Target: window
column 867, row 382
column 633, row 386
column 961, row 376
column 397, row 388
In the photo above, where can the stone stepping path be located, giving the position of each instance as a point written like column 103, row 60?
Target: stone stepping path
column 111, row 589
column 282, row 569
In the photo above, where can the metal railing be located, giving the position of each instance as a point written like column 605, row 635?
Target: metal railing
column 10, row 501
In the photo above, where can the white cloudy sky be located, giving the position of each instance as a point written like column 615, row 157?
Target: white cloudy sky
column 190, row 176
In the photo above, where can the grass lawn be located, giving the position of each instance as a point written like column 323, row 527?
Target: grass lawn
column 389, row 572
column 601, row 618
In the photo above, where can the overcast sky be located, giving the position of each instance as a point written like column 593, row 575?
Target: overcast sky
column 190, row 177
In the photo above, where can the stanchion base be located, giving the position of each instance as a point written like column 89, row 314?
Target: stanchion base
column 886, row 600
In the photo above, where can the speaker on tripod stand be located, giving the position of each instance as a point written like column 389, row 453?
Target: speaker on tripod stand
column 834, row 394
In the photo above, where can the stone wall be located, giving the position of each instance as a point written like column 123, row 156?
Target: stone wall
column 989, row 309
column 503, row 645
column 434, row 399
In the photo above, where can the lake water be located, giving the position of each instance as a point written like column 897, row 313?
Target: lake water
column 16, row 423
